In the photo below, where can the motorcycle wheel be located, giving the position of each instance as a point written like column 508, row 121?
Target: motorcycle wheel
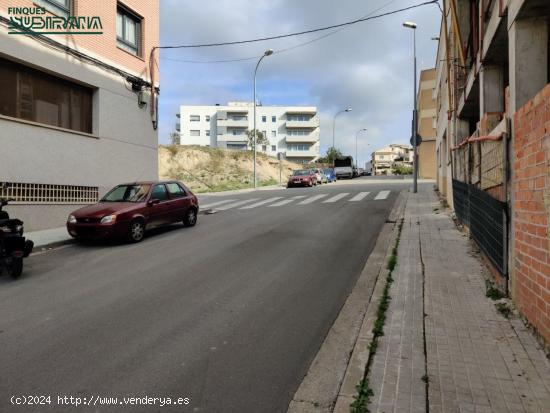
column 15, row 268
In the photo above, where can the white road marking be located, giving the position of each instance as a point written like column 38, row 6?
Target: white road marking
column 216, row 203
column 237, row 204
column 359, row 197
column 336, row 197
column 287, row 201
column 312, row 199
column 298, row 197
column 382, row 195
column 265, row 201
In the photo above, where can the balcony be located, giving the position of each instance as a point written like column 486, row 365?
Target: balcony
column 178, row 126
column 302, row 154
column 309, row 138
column 228, row 137
column 303, row 124
column 232, row 123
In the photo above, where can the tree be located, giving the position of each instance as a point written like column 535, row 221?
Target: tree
column 332, row 153
column 260, row 138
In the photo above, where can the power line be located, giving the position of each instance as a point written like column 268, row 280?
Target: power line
column 282, row 36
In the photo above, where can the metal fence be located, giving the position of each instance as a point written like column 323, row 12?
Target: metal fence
column 487, row 219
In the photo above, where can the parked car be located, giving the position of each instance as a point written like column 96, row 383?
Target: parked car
column 320, row 175
column 360, row 172
column 128, row 210
column 330, row 174
column 302, row 177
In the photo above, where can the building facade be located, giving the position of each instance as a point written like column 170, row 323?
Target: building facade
column 76, row 114
column 426, row 124
column 290, row 130
column 384, row 160
column 492, row 145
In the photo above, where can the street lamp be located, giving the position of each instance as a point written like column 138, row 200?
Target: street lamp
column 268, row 52
column 411, row 25
column 357, row 134
column 334, row 122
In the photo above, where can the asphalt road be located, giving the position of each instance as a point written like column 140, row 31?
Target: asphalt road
column 229, row 314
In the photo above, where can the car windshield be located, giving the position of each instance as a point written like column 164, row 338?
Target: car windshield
column 127, row 193
column 300, row 172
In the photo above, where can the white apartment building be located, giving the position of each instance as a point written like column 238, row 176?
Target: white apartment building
column 291, row 130
column 384, row 159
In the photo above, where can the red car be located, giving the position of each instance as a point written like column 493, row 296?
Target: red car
column 127, row 210
column 302, row 177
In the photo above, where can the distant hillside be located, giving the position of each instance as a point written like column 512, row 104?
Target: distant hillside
column 206, row 169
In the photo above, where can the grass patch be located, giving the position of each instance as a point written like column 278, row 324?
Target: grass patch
column 492, row 292
column 364, row 392
column 504, row 309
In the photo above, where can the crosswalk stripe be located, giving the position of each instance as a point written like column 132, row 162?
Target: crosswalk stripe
column 265, row 201
column 283, row 202
column 382, row 195
column 312, row 199
column 225, row 201
column 237, row 204
column 336, row 197
column 360, row 196
column 298, row 197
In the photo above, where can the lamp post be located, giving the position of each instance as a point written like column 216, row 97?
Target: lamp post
column 411, row 25
column 356, row 135
column 334, row 128
column 268, row 52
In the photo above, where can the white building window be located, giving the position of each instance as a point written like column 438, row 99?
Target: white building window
column 195, row 133
column 264, row 119
column 208, row 132
column 297, row 132
column 273, row 133
column 273, row 148
column 298, row 118
column 194, row 118
column 264, row 148
column 274, row 119
column 207, row 118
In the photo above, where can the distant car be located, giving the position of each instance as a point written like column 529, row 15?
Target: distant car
column 360, row 172
column 320, row 175
column 302, row 177
column 329, row 173
column 128, row 210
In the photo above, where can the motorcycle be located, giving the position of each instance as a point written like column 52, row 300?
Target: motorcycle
column 13, row 245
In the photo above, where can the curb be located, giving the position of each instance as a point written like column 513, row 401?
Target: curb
column 51, row 245
column 340, row 362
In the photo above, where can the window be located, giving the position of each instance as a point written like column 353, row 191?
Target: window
column 194, row 133
column 299, row 118
column 264, row 148
column 128, row 31
column 175, row 190
column 264, row 133
column 207, row 132
column 297, row 132
column 238, row 132
column 274, row 119
column 207, row 118
column 48, row 193
column 298, row 147
column 273, row 148
column 127, row 193
column 194, row 118
column 264, row 119
column 61, row 8
column 159, row 192
column 273, row 133
column 35, row 96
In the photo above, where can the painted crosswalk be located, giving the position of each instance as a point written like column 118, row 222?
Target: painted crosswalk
column 381, row 195
column 359, row 197
column 336, row 198
column 297, row 200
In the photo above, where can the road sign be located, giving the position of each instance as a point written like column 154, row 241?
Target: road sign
column 418, row 140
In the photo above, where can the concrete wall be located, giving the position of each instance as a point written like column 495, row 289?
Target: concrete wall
column 122, row 146
column 531, row 212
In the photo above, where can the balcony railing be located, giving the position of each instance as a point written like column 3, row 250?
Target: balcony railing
column 301, row 153
column 228, row 137
column 233, row 123
column 309, row 124
column 310, row 138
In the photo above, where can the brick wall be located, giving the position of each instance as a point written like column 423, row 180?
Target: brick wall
column 531, row 212
column 105, row 45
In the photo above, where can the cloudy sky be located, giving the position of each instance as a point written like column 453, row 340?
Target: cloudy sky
column 367, row 66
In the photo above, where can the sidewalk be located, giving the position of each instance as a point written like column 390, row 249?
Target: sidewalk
column 49, row 237
column 463, row 355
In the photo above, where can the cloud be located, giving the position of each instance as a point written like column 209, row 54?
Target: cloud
column 367, row 66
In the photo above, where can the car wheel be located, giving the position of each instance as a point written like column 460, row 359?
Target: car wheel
column 15, row 268
column 136, row 231
column 190, row 218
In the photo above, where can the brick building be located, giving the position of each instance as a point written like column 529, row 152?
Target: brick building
column 76, row 113
column 493, row 141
